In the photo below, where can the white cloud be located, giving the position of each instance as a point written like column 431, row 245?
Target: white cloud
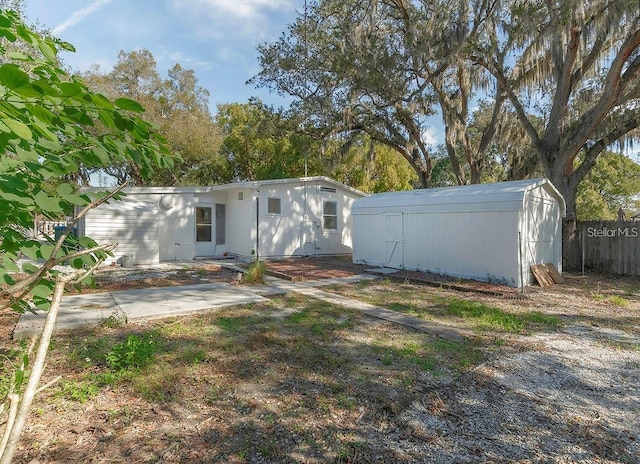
column 430, row 137
column 230, row 19
column 78, row 16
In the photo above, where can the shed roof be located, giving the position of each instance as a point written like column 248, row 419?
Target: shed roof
column 499, row 196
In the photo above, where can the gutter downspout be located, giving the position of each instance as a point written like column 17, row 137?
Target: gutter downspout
column 257, row 225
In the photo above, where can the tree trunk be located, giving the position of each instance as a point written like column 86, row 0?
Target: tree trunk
column 571, row 243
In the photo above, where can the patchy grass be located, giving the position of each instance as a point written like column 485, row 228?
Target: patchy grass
column 269, row 373
column 291, row 380
column 479, row 316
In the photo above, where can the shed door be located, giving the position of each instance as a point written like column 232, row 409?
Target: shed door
column 541, row 231
column 393, row 240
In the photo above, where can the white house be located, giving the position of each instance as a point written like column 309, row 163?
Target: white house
column 308, row 216
column 486, row 232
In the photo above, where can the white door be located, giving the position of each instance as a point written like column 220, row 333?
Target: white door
column 393, row 240
column 205, row 239
column 542, row 246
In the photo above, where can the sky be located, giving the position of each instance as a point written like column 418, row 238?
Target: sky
column 218, row 39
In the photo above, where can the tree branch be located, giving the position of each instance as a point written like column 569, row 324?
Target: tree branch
column 26, row 285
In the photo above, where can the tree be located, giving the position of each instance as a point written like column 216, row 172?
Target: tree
column 382, row 68
column 367, row 166
column 178, row 106
column 262, row 143
column 50, row 124
column 341, row 64
column 577, row 65
column 613, row 183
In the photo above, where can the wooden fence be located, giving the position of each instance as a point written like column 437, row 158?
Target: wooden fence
column 611, row 247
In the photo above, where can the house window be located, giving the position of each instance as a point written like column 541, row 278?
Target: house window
column 274, row 206
column 330, row 215
column 240, row 196
column 203, row 224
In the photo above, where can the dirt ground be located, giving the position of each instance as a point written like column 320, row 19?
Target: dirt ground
column 569, row 395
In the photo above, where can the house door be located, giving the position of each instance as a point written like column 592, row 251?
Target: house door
column 205, row 244
column 393, row 240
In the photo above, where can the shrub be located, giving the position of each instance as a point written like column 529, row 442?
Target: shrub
column 255, row 273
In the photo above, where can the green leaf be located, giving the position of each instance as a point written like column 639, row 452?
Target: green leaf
column 129, row 105
column 43, row 304
column 5, row 277
column 70, row 89
column 47, row 204
column 48, row 50
column 29, row 91
column 30, row 250
column 42, row 290
column 41, row 113
column 102, row 155
column 13, row 198
column 29, row 268
column 12, row 77
column 18, row 128
column 64, row 189
column 8, row 35
column 19, row 56
column 106, row 119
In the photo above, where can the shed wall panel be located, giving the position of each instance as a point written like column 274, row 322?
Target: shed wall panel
column 485, row 232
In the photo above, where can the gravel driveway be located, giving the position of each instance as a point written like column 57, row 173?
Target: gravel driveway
column 575, row 397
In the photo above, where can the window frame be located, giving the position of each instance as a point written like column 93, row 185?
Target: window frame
column 269, row 205
column 327, row 216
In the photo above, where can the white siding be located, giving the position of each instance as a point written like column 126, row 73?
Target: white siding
column 297, row 231
column 134, row 226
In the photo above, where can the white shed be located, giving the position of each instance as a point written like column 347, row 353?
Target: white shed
column 309, row 216
column 487, row 232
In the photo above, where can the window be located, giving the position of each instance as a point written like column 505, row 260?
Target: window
column 203, row 224
column 221, row 224
column 330, row 215
column 240, row 196
column 274, row 206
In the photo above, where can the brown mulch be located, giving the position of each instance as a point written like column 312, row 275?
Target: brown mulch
column 110, row 279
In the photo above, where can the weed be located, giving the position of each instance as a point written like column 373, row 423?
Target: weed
column 255, row 273
column 618, row 301
column 105, row 379
column 77, row 391
column 135, row 352
column 117, row 319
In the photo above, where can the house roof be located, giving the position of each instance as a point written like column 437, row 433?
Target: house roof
column 499, row 196
column 254, row 185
